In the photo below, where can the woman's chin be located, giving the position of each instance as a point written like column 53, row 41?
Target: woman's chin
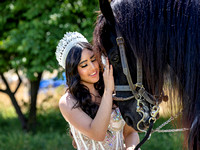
column 94, row 79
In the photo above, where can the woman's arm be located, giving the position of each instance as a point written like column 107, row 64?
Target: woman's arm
column 93, row 128
column 131, row 137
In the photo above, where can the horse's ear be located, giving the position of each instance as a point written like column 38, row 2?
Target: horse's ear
column 107, row 11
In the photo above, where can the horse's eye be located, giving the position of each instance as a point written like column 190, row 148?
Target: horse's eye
column 115, row 58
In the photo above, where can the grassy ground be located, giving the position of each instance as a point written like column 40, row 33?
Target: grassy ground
column 163, row 141
column 52, row 134
column 52, row 131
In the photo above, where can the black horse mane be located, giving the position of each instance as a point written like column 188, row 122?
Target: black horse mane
column 165, row 34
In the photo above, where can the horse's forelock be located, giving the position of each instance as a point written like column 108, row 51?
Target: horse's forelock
column 100, row 34
column 97, row 42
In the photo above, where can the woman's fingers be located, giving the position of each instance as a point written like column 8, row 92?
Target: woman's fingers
column 108, row 76
column 107, row 64
column 108, row 68
column 111, row 70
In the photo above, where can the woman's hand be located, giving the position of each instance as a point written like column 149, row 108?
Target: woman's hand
column 108, row 77
column 130, row 148
column 131, row 137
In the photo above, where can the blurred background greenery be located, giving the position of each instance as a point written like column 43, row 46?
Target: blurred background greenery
column 29, row 32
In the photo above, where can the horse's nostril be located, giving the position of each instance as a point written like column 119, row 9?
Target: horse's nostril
column 128, row 119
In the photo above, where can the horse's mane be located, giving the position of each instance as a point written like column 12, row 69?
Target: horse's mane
column 165, row 34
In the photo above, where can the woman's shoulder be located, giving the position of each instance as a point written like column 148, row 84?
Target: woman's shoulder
column 66, row 106
column 67, row 101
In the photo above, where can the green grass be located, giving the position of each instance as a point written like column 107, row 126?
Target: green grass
column 163, row 141
column 52, row 134
column 17, row 140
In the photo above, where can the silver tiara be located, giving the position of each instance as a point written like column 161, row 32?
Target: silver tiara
column 65, row 44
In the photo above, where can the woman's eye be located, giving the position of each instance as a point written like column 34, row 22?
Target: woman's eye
column 93, row 60
column 84, row 66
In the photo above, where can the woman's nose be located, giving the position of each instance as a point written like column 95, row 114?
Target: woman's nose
column 92, row 66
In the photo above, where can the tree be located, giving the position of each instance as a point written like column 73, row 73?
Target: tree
column 29, row 33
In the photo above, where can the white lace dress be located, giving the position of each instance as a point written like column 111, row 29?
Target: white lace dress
column 112, row 141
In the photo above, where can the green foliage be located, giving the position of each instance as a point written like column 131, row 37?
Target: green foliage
column 30, row 31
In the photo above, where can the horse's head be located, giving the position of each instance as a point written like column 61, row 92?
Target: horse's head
column 137, row 112
column 164, row 36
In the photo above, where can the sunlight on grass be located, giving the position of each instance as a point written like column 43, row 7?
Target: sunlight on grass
column 52, row 132
column 18, row 140
column 9, row 112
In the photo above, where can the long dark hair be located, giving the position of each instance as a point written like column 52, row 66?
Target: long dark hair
column 79, row 91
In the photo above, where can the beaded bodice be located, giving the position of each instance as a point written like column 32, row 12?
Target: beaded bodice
column 112, row 141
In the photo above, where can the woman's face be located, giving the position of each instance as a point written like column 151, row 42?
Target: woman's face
column 88, row 68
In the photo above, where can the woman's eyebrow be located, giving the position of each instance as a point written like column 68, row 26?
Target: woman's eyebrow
column 86, row 60
column 82, row 62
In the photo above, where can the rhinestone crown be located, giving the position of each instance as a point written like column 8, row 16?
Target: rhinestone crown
column 65, row 44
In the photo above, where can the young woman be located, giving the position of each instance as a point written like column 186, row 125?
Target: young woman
column 95, row 122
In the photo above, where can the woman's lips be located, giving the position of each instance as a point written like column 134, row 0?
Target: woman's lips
column 94, row 73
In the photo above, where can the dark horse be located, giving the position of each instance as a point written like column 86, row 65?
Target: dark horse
column 165, row 36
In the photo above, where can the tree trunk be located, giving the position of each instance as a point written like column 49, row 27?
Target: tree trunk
column 32, row 112
column 11, row 94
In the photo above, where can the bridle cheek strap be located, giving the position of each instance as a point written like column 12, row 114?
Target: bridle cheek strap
column 137, row 90
column 120, row 42
column 131, row 87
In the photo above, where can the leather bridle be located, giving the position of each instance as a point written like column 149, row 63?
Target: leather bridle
column 137, row 89
column 132, row 87
column 138, row 92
